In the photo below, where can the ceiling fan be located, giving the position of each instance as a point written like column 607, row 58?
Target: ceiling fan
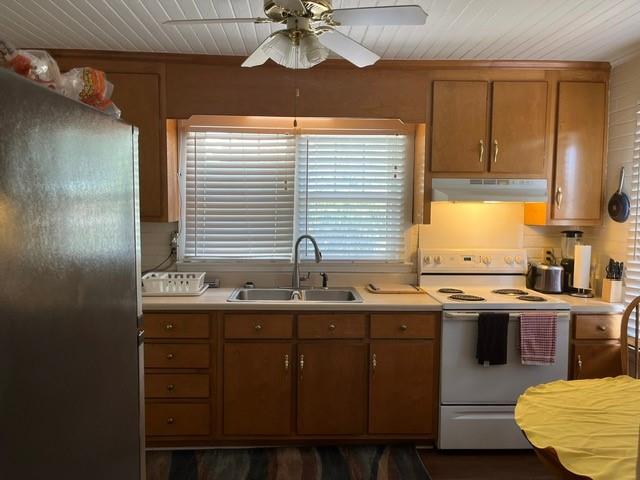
column 310, row 32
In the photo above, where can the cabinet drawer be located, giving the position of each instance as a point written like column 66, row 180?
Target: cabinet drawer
column 176, row 325
column 413, row 325
column 173, row 355
column 597, row 326
column 176, row 385
column 332, row 326
column 177, row 419
column 248, row 325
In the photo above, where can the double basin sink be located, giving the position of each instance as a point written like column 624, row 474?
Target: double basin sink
column 312, row 295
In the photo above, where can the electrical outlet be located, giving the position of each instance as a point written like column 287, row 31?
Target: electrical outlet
column 173, row 242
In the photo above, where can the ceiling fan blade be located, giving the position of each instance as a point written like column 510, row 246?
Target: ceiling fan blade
column 348, row 48
column 291, row 5
column 258, row 57
column 206, row 21
column 400, row 15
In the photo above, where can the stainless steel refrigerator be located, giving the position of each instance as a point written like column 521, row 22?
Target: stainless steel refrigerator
column 70, row 349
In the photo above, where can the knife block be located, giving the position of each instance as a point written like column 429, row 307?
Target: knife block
column 612, row 290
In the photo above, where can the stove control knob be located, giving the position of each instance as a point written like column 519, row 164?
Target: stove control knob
column 426, row 260
column 518, row 259
column 486, row 260
column 437, row 259
column 508, row 260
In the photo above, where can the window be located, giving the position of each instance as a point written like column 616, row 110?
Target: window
column 352, row 195
column 239, row 195
column 632, row 275
column 248, row 195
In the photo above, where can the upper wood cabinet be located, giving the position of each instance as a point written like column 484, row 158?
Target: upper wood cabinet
column 580, row 144
column 518, row 127
column 462, row 142
column 139, row 92
column 459, row 127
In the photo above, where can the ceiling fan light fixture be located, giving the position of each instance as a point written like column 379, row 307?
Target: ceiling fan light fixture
column 299, row 51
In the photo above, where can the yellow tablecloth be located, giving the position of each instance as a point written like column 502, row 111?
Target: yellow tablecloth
column 593, row 425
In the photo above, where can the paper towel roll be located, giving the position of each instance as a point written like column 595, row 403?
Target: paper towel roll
column 582, row 266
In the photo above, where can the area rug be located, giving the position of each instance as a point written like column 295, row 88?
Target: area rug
column 376, row 462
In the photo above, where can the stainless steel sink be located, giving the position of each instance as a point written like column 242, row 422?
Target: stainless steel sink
column 329, row 295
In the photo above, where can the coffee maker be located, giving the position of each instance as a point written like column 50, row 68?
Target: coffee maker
column 570, row 238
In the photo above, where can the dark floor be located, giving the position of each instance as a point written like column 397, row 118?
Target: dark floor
column 480, row 465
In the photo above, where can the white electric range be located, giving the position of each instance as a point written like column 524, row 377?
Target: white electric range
column 476, row 401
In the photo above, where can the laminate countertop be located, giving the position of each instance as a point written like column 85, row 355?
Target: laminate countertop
column 216, row 299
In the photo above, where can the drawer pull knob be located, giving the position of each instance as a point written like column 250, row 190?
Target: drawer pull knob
column 332, row 326
column 170, row 356
column 602, row 328
column 171, row 421
column 258, row 327
column 168, row 327
column 403, row 327
column 171, row 387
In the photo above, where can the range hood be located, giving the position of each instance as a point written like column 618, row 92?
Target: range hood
column 489, row 190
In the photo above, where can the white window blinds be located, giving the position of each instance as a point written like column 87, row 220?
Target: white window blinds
column 352, row 195
column 239, row 195
column 632, row 267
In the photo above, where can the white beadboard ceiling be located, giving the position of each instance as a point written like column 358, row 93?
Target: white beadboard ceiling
column 606, row 30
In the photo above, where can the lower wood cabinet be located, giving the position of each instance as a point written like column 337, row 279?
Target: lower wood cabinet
column 257, row 388
column 278, row 377
column 332, row 385
column 595, row 346
column 402, row 387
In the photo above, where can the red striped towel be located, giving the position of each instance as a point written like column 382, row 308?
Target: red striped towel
column 538, row 338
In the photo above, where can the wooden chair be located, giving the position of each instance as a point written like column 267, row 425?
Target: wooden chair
column 634, row 306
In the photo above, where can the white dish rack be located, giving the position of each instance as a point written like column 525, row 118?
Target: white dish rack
column 173, row 284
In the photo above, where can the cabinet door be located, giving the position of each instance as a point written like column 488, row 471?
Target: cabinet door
column 596, row 360
column 257, row 388
column 332, row 380
column 459, row 130
column 579, row 151
column 138, row 96
column 519, row 127
column 401, row 399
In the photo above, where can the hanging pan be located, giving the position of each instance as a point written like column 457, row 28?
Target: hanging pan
column 619, row 206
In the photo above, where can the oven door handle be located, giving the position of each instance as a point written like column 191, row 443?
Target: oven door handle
column 474, row 315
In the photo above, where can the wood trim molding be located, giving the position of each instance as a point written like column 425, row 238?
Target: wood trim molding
column 225, row 60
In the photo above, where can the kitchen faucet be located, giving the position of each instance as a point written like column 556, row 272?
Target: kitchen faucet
column 295, row 278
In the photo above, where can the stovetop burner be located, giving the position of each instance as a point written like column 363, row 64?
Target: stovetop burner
column 466, row 298
column 510, row 291
column 450, row 290
column 531, row 298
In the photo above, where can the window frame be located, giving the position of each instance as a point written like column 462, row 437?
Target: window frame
column 305, row 126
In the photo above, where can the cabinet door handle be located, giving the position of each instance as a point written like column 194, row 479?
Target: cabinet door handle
column 558, row 197
column 301, row 363
column 374, row 362
column 286, row 363
column 481, row 150
column 579, row 366
column 495, row 151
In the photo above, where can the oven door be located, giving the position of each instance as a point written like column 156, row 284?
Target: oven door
column 465, row 382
